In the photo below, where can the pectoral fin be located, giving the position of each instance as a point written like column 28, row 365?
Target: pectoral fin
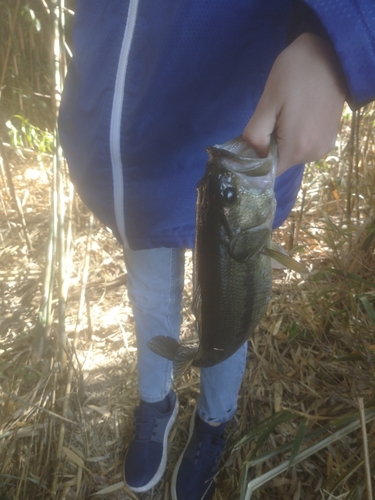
column 276, row 252
column 245, row 244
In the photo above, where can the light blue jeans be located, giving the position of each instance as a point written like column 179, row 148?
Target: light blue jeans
column 155, row 283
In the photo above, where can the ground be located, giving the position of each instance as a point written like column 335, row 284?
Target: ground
column 66, row 414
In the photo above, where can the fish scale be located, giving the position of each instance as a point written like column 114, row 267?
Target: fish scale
column 232, row 259
column 234, row 293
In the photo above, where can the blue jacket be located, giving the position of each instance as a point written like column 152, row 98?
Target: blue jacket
column 152, row 84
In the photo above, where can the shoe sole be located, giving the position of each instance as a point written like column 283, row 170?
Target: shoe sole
column 176, row 469
column 163, row 463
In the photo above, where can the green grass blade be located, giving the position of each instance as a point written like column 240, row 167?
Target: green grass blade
column 301, row 432
column 369, row 309
column 347, row 470
column 266, row 426
column 264, row 478
column 331, row 426
column 357, row 492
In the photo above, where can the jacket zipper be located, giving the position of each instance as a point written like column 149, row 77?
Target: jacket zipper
column 115, row 128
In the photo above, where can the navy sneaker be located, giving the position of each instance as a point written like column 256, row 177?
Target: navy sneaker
column 146, row 458
column 193, row 477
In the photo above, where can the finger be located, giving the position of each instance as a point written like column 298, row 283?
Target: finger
column 259, row 129
column 307, row 146
column 284, row 158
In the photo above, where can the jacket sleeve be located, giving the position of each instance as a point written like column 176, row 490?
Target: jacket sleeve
column 350, row 26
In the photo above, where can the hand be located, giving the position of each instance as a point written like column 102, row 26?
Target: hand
column 302, row 103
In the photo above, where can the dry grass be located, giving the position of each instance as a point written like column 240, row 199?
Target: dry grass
column 64, row 426
column 310, row 363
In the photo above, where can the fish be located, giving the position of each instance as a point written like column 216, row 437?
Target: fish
column 233, row 250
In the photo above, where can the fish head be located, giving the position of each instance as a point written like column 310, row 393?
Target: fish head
column 241, row 195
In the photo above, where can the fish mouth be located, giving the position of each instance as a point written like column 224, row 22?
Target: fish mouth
column 239, row 157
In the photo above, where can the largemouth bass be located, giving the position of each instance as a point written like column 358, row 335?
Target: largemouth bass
column 232, row 260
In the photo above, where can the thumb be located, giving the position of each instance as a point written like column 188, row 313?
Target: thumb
column 259, row 129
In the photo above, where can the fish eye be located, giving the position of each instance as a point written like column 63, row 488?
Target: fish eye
column 229, row 195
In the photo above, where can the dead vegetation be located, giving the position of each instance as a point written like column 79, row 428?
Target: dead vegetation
column 68, row 356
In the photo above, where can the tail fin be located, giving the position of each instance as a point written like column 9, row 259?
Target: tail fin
column 169, row 348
